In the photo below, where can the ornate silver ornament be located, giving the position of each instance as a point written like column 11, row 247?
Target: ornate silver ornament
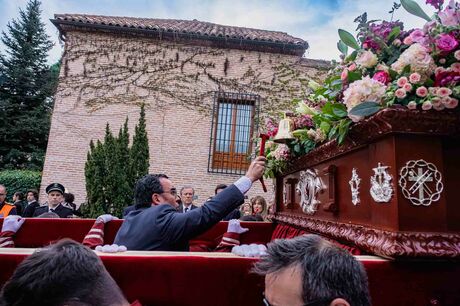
column 308, row 187
column 420, row 182
column 285, row 193
column 354, row 185
column 381, row 187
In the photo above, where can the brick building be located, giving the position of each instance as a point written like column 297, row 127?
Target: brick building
column 206, row 88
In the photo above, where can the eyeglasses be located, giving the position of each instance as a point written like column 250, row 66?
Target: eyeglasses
column 172, row 191
column 318, row 302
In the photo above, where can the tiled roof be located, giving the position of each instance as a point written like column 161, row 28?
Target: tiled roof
column 199, row 29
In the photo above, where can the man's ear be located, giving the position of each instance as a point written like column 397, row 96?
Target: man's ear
column 155, row 199
column 339, row 302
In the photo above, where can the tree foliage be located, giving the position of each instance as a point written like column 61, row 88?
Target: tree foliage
column 27, row 86
column 112, row 168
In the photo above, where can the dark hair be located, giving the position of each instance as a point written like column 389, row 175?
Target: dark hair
column 19, row 196
column 328, row 271
column 220, row 186
column 146, row 186
column 34, row 192
column 255, row 217
column 69, row 197
column 64, row 273
column 261, row 201
column 187, row 187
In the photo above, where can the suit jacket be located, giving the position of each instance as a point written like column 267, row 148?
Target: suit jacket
column 63, row 212
column 20, row 207
column 30, row 209
column 128, row 209
column 163, row 228
column 180, row 208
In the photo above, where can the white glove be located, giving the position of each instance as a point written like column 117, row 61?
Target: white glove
column 250, row 250
column 106, row 218
column 235, row 227
column 12, row 223
column 114, row 248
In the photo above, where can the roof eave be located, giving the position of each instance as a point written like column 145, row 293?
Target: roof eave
column 216, row 41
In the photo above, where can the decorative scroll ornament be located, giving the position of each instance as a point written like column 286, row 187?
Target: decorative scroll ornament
column 420, row 182
column 381, row 188
column 285, row 194
column 354, row 185
column 308, row 187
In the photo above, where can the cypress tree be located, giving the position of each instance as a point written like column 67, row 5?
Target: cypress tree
column 140, row 149
column 27, row 86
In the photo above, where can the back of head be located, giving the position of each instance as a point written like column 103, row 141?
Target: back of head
column 19, row 196
column 220, row 187
column 256, row 217
column 48, row 215
column 69, row 197
column 146, row 186
column 66, row 273
column 329, row 272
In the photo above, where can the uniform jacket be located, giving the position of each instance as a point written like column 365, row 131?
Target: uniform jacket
column 30, row 209
column 62, row 211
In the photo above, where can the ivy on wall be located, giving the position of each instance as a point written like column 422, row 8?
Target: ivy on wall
column 102, row 69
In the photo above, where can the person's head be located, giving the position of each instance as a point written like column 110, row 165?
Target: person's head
column 246, row 209
column 47, row 278
column 308, row 270
column 219, row 188
column 259, row 206
column 48, row 215
column 2, row 193
column 18, row 196
column 186, row 194
column 69, row 197
column 154, row 189
column 32, row 195
column 55, row 193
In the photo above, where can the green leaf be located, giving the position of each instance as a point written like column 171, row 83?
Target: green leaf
column 354, row 76
column 394, row 33
column 340, row 110
column 325, row 127
column 352, row 56
column 342, row 47
column 393, row 74
column 413, row 8
column 365, row 109
column 348, row 39
column 406, row 69
column 429, row 83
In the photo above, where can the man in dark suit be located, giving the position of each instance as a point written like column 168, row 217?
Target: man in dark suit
column 32, row 203
column 186, row 194
column 55, row 193
column 157, row 225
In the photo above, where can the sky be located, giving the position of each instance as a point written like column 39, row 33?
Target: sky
column 315, row 21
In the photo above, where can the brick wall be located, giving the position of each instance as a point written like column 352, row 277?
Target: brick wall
column 105, row 77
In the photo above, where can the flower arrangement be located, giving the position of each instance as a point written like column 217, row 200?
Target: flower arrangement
column 416, row 69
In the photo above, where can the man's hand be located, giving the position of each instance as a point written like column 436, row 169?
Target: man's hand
column 105, row 218
column 114, row 248
column 256, row 169
column 12, row 223
column 235, row 227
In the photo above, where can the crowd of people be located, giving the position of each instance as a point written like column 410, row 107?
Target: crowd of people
column 300, row 271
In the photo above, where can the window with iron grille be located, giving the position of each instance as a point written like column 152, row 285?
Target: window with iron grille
column 233, row 124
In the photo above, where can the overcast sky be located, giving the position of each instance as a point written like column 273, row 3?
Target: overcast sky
column 315, row 21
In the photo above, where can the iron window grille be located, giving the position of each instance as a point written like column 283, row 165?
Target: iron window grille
column 234, row 122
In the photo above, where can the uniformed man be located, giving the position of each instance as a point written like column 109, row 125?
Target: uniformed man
column 6, row 208
column 55, row 193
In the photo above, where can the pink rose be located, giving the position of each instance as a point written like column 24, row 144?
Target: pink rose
column 450, row 103
column 408, row 41
column 450, row 16
column 442, row 60
column 421, row 91
column 432, row 90
column 407, row 87
column 455, row 67
column 400, row 93
column 344, row 74
column 401, row 81
column 429, row 26
column 457, row 55
column 438, row 107
column 417, row 36
column 427, row 105
column 446, row 42
column 352, row 67
column 382, row 76
column 414, row 78
column 436, row 102
column 412, row 105
column 443, row 92
column 397, row 42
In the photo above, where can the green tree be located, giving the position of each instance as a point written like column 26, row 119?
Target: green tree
column 27, row 86
column 139, row 161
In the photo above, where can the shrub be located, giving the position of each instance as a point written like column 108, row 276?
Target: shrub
column 19, row 180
